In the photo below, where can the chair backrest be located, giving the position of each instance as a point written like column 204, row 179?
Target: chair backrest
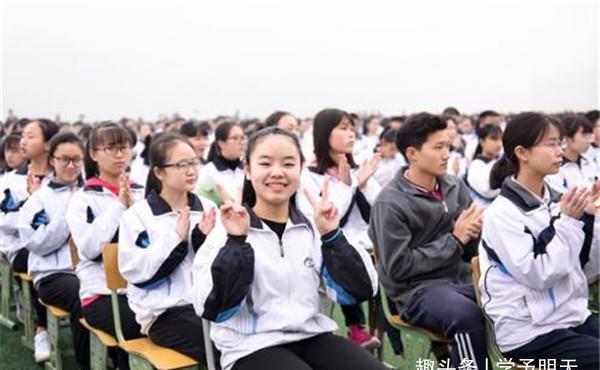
column 110, row 255
column 74, row 254
column 476, row 273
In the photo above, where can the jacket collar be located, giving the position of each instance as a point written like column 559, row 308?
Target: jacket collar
column 296, row 217
column 223, row 164
column 525, row 199
column 52, row 184
column 159, row 206
column 445, row 183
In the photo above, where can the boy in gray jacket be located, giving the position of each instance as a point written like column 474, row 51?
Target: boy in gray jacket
column 425, row 228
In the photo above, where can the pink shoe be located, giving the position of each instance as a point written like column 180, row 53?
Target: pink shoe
column 358, row 335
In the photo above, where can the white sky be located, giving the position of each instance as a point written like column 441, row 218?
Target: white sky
column 109, row 59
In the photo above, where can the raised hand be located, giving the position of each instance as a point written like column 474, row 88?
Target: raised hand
column 367, row 169
column 574, row 202
column 468, row 224
column 33, row 183
column 593, row 205
column 183, row 223
column 125, row 191
column 344, row 169
column 235, row 218
column 208, row 221
column 325, row 213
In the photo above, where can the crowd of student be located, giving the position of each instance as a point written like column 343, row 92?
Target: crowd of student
column 249, row 224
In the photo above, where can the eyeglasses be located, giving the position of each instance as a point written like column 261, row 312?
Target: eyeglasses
column 114, row 149
column 237, row 138
column 551, row 144
column 65, row 161
column 184, row 166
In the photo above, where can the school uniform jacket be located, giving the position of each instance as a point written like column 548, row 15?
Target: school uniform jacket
column 216, row 172
column 353, row 204
column 581, row 172
column 263, row 292
column 154, row 259
column 478, row 180
column 43, row 230
column 93, row 217
column 14, row 194
column 530, row 258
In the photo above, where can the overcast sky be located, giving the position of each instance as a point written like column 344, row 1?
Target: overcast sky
column 109, row 59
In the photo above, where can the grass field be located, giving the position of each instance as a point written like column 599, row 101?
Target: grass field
column 13, row 356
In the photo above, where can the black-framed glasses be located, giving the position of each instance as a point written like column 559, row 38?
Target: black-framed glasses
column 65, row 161
column 184, row 166
column 114, row 149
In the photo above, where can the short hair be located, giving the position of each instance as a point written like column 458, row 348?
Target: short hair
column 571, row 123
column 417, row 129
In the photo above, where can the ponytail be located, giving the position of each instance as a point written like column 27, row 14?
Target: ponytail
column 153, row 184
column 502, row 169
column 213, row 151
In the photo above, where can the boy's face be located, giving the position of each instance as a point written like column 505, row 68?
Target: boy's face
column 433, row 156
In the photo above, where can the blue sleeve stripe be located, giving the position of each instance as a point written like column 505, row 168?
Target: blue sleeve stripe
column 342, row 297
column 228, row 313
column 333, row 237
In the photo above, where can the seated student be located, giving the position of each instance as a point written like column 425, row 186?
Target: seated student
column 478, row 175
column 283, row 120
column 593, row 152
column 391, row 159
column 457, row 162
column 532, row 283
column 424, row 227
column 353, row 191
column 44, row 232
column 13, row 159
column 223, row 177
column 577, row 170
column 197, row 134
column 34, row 146
column 158, row 238
column 93, row 217
column 261, row 285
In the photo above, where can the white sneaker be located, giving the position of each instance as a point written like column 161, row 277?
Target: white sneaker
column 41, row 347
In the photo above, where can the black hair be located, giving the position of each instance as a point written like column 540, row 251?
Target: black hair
column 483, row 115
column 491, row 131
column 106, row 133
column 416, row 130
column 324, row 123
column 593, row 116
column 248, row 192
column 389, row 135
column 525, row 129
column 451, row 111
column 193, row 129
column 49, row 128
column 273, row 118
column 571, row 123
column 158, row 155
column 62, row 138
column 221, row 134
column 11, row 141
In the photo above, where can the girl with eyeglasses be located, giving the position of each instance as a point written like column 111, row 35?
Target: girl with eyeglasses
column 93, row 217
column 43, row 230
column 158, row 239
column 18, row 187
column 534, row 246
column 222, row 178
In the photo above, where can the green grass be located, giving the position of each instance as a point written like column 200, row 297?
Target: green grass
column 14, row 356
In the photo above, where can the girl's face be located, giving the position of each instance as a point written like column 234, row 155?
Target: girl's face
column 233, row 147
column 491, row 146
column 288, row 122
column 274, row 169
column 112, row 158
column 32, row 143
column 180, row 172
column 200, row 144
column 373, row 126
column 452, row 132
column 387, row 149
column 67, row 161
column 544, row 158
column 465, row 126
column 14, row 157
column 580, row 142
column 341, row 139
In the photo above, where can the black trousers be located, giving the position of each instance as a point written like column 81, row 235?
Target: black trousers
column 579, row 345
column 322, row 352
column 180, row 329
column 62, row 290
column 20, row 265
column 99, row 315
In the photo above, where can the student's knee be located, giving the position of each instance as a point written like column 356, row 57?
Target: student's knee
column 468, row 317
